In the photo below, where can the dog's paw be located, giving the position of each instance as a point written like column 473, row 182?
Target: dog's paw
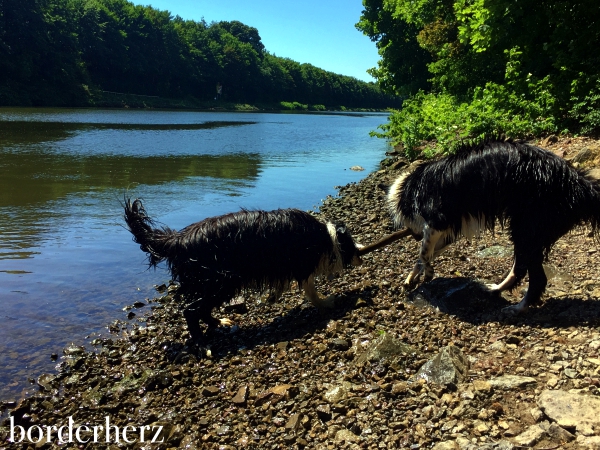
column 407, row 287
column 410, row 284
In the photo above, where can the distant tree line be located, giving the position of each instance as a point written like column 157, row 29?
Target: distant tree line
column 53, row 52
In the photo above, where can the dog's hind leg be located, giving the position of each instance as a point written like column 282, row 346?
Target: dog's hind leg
column 426, row 255
column 310, row 292
column 537, row 281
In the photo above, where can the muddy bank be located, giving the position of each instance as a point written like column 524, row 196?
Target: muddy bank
column 439, row 367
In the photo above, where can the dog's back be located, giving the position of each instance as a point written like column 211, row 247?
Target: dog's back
column 262, row 248
column 522, row 186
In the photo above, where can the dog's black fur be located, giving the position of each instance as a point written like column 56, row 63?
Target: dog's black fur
column 535, row 194
column 215, row 259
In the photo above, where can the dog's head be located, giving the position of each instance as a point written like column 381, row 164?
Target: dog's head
column 348, row 249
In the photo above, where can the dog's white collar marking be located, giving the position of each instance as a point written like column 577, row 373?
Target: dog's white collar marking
column 393, row 198
column 338, row 265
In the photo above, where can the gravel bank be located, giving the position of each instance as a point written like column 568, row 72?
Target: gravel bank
column 290, row 376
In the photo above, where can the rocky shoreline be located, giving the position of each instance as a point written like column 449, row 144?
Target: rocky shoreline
column 439, row 367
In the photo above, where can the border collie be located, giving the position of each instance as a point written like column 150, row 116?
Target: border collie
column 535, row 194
column 217, row 258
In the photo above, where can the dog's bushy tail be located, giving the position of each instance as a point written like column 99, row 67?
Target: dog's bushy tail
column 153, row 241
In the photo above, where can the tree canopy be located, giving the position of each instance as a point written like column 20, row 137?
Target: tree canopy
column 54, row 52
column 521, row 67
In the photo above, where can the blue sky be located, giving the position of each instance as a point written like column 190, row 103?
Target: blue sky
column 319, row 32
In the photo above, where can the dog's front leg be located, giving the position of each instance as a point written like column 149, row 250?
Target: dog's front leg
column 197, row 312
column 310, row 291
column 509, row 282
column 413, row 277
column 193, row 313
column 426, row 256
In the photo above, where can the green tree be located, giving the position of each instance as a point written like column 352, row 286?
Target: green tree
column 402, row 68
column 492, row 66
column 55, row 52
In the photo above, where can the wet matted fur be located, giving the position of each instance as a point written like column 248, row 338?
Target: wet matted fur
column 537, row 195
column 213, row 260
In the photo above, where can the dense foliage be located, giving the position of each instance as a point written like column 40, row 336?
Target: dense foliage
column 59, row 52
column 472, row 67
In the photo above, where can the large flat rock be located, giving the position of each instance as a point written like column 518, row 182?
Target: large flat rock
column 570, row 410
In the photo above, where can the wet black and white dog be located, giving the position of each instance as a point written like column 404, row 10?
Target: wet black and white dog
column 531, row 191
column 217, row 258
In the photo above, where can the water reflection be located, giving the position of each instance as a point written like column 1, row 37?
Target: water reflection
column 37, row 177
column 29, row 132
column 31, row 184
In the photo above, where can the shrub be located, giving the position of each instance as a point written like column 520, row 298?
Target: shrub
column 433, row 123
column 294, row 106
column 586, row 108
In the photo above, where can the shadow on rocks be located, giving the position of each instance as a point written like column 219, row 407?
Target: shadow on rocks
column 297, row 322
column 471, row 301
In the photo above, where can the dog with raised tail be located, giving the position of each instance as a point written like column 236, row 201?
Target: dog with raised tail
column 532, row 192
column 217, row 258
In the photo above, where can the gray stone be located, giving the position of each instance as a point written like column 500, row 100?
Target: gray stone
column 537, row 414
column 340, row 344
column 589, row 442
column 531, row 436
column 582, row 155
column 384, row 347
column 559, row 434
column 449, row 366
column 466, row 444
column 509, row 382
column 344, row 435
column 46, row 381
column 495, row 251
column 241, row 396
column 294, row 422
column 570, row 410
column 337, row 393
column 552, row 139
column 571, row 373
column 210, row 391
column 448, row 445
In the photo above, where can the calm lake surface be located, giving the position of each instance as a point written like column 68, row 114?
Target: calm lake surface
column 68, row 267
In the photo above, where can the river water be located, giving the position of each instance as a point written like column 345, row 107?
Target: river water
column 68, row 267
